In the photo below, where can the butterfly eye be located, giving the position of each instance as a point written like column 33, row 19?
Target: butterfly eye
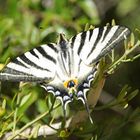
column 71, row 84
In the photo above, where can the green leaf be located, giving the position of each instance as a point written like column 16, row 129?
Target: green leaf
column 2, row 112
column 4, row 104
column 89, row 7
column 42, row 106
column 123, row 93
column 26, row 101
column 132, row 94
column 5, row 25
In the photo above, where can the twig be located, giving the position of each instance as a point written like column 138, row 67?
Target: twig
column 113, row 66
column 29, row 124
column 43, row 130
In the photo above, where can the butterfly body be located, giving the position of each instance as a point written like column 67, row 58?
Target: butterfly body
column 67, row 68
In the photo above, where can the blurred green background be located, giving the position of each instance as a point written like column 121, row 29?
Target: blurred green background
column 25, row 24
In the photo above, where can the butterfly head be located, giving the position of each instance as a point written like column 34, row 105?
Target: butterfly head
column 62, row 41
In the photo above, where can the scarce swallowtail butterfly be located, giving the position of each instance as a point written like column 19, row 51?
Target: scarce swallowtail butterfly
column 67, row 68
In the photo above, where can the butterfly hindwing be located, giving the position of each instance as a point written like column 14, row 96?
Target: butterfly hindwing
column 36, row 65
column 60, row 94
column 84, row 87
column 94, row 44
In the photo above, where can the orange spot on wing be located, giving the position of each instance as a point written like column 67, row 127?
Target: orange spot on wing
column 66, row 82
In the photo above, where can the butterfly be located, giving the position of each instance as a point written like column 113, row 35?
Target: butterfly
column 67, row 68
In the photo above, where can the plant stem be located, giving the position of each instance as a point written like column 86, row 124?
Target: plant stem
column 112, row 67
column 30, row 123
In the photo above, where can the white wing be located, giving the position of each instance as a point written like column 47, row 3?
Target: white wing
column 38, row 64
column 93, row 44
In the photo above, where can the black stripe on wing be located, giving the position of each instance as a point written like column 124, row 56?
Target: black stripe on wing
column 97, row 40
column 45, row 54
column 120, row 34
column 73, row 40
column 36, row 64
column 16, row 61
column 53, row 47
column 30, row 63
column 82, row 41
column 33, row 53
column 100, row 41
column 90, row 34
column 106, row 32
column 13, row 75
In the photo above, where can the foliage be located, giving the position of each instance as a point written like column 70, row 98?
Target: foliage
column 25, row 24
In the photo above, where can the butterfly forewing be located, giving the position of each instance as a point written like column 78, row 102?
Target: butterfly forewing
column 93, row 44
column 38, row 64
